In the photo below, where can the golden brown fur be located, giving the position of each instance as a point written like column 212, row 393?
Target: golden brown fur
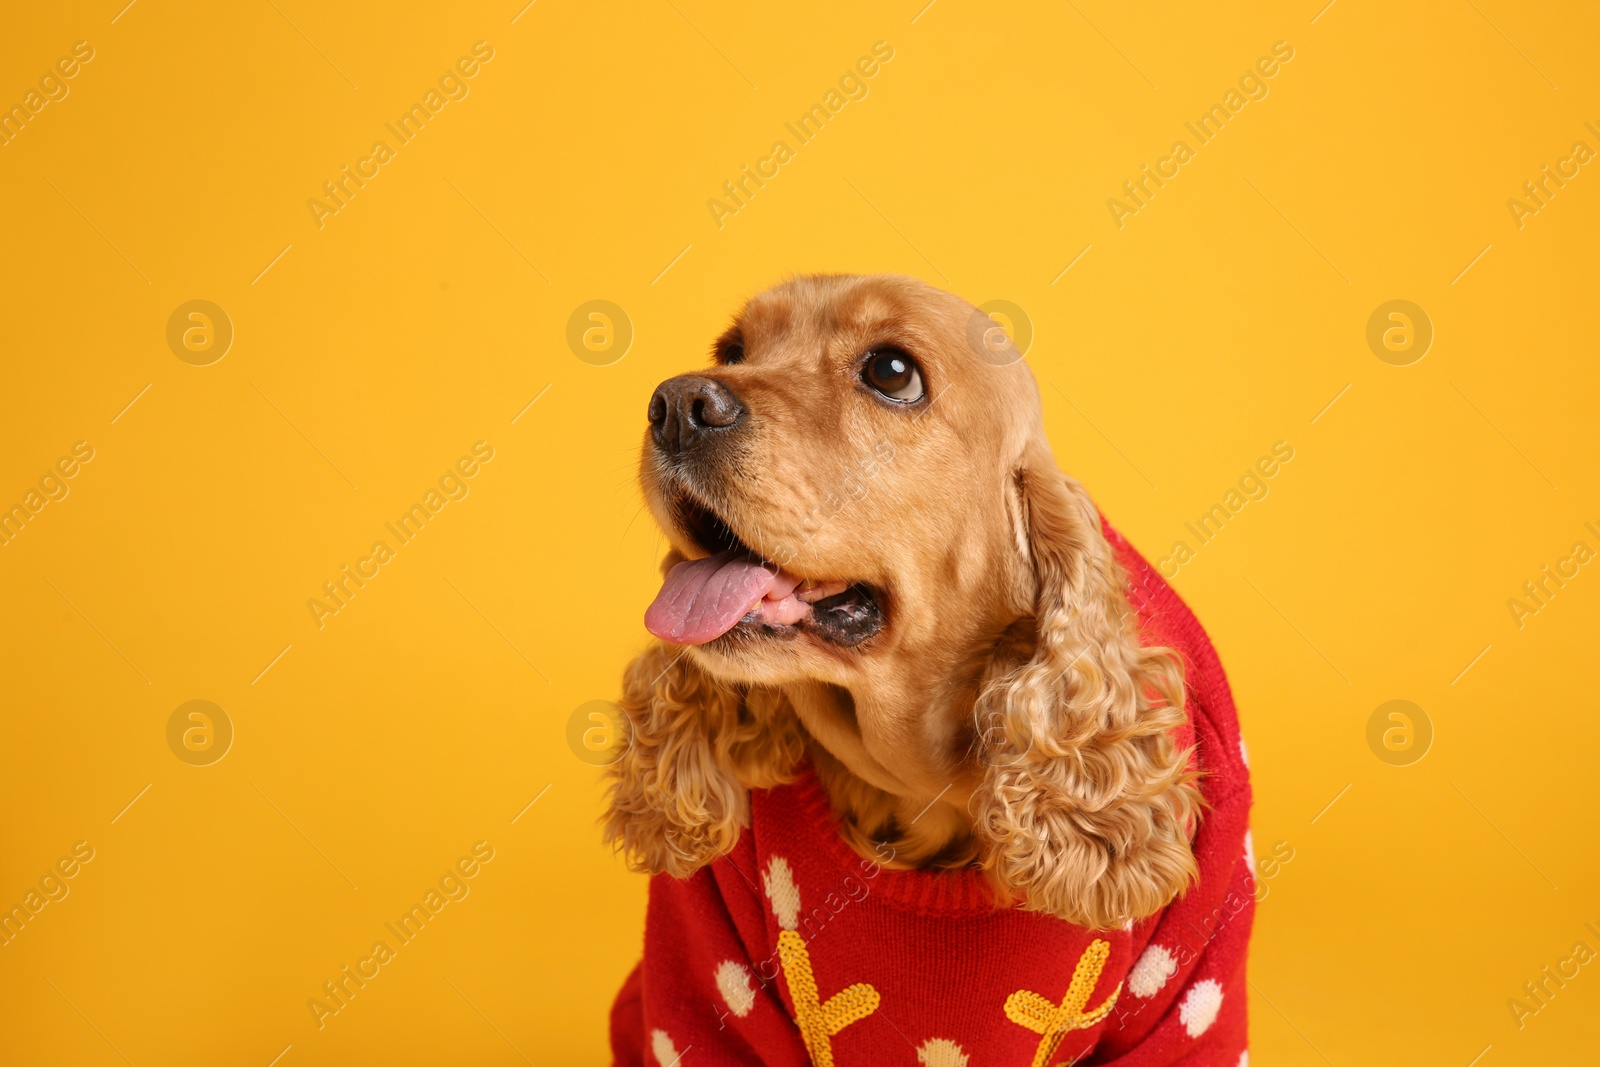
column 1005, row 716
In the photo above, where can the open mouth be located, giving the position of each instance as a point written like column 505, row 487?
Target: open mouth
column 734, row 591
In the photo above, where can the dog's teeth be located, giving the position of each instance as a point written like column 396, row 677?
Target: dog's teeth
column 814, row 591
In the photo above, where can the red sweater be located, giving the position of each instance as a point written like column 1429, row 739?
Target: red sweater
column 792, row 949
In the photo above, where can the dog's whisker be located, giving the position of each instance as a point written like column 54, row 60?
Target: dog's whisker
column 631, row 521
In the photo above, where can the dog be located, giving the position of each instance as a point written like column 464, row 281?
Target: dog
column 928, row 764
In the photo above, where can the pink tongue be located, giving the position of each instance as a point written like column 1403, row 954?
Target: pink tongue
column 703, row 599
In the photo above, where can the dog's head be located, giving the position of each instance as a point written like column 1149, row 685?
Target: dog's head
column 873, row 550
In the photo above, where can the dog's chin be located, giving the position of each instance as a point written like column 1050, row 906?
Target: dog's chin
column 801, row 611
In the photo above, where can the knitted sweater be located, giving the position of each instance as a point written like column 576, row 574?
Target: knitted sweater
column 792, row 949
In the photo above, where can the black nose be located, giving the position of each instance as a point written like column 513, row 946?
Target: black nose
column 689, row 409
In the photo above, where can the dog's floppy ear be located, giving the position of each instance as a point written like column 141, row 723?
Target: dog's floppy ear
column 1086, row 808
column 695, row 748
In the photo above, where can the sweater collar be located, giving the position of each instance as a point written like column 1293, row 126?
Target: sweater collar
column 965, row 891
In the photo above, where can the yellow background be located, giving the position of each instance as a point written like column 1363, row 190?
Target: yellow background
column 429, row 312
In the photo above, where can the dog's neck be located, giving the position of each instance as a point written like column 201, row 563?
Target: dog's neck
column 899, row 816
column 912, row 810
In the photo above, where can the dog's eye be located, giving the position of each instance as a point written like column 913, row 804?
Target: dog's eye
column 894, row 374
column 732, row 352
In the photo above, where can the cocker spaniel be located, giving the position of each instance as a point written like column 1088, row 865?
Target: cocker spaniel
column 879, row 581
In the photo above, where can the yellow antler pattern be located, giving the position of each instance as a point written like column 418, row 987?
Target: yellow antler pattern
column 818, row 1021
column 1055, row 1021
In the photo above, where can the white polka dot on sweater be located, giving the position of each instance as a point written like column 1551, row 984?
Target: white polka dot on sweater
column 1200, row 1006
column 783, row 893
column 1244, row 753
column 1244, row 1058
column 1151, row 971
column 734, row 983
column 939, row 1052
column 666, row 1053
column 1250, row 853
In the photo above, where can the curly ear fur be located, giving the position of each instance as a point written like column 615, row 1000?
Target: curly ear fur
column 680, row 792
column 1086, row 807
